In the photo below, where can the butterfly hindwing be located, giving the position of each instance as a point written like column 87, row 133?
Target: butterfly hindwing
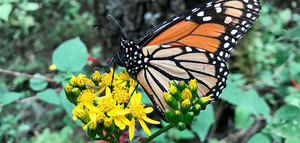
column 170, row 62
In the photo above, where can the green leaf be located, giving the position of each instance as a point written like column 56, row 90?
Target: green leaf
column 286, row 123
column 202, row 123
column 186, row 134
column 260, row 138
column 70, row 55
column 5, row 10
column 66, row 104
column 37, row 84
column 249, row 99
column 9, row 97
column 292, row 140
column 242, row 118
column 2, row 88
column 49, row 96
column 29, row 6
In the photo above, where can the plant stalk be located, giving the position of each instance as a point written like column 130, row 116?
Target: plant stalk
column 164, row 129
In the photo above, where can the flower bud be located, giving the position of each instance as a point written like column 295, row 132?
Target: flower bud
column 172, row 82
column 196, row 109
column 181, row 126
column 108, row 122
column 174, row 91
column 68, row 91
column 181, row 86
column 169, row 116
column 188, row 118
column 185, row 106
column 75, row 93
column 81, row 114
column 170, row 100
column 73, row 81
column 203, row 101
column 193, row 88
column 96, row 77
column 186, row 94
column 81, row 80
column 178, row 115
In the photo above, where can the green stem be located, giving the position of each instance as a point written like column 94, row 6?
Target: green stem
column 164, row 129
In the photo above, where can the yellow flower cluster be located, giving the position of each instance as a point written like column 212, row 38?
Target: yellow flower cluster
column 107, row 102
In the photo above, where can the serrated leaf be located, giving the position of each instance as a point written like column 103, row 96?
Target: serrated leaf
column 70, row 55
column 9, row 97
column 202, row 123
column 49, row 96
column 37, row 84
column 5, row 10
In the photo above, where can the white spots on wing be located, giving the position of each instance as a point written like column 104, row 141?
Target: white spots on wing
column 139, row 62
column 200, row 14
column 218, row 5
column 246, row 1
column 226, row 38
column 233, row 40
column 250, row 6
column 211, row 55
column 207, row 18
column 221, row 70
column 201, row 50
column 228, row 20
column 249, row 15
column 176, row 18
column 222, row 65
column 221, row 53
column 209, row 4
column 234, row 31
column 214, row 62
column 146, row 60
column 188, row 49
column 244, row 22
column 226, row 45
column 188, row 18
column 226, row 55
column 226, row 73
column 218, row 9
column 195, row 9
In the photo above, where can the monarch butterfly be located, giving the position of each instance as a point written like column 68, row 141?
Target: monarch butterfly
column 194, row 44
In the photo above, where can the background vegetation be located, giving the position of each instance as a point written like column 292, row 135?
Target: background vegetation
column 260, row 104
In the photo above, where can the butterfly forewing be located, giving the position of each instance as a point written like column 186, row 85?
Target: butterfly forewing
column 215, row 26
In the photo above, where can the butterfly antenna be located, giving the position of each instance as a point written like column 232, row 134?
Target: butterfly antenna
column 117, row 24
column 101, row 26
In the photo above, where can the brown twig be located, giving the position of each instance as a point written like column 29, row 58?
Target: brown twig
column 27, row 75
column 243, row 136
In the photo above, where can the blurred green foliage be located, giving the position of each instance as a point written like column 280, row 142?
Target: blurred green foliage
column 265, row 71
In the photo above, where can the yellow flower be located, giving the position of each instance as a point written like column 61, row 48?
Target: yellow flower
column 92, row 124
column 186, row 103
column 108, row 122
column 80, row 113
column 133, row 83
column 96, row 76
column 87, row 97
column 82, row 80
column 125, row 76
column 206, row 99
column 118, row 115
column 121, row 95
column 107, row 79
column 186, row 94
column 136, row 108
column 52, row 67
column 73, row 81
column 106, row 103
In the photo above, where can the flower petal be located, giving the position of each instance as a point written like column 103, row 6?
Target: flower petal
column 148, row 110
column 131, row 128
column 150, row 120
column 144, row 126
column 107, row 91
column 117, row 112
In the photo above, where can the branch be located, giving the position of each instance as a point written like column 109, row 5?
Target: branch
column 243, row 136
column 27, row 75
